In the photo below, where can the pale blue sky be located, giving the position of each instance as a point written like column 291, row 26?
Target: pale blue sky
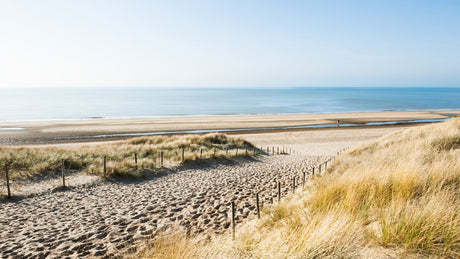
column 229, row 43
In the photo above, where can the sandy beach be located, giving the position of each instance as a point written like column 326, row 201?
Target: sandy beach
column 103, row 218
column 86, row 130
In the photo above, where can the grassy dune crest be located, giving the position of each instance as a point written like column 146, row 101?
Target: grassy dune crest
column 398, row 196
column 26, row 162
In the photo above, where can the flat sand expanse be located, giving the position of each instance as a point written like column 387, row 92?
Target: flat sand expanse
column 47, row 130
column 100, row 218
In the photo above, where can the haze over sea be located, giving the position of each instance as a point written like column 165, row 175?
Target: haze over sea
column 28, row 104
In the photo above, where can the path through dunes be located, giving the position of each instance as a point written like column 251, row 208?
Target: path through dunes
column 110, row 216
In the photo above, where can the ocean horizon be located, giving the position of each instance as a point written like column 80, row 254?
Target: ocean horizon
column 41, row 104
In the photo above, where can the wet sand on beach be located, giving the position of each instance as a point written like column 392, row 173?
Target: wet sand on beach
column 82, row 130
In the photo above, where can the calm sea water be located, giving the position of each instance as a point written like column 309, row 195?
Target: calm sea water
column 80, row 103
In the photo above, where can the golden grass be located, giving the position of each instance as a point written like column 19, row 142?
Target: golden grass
column 398, row 196
column 25, row 162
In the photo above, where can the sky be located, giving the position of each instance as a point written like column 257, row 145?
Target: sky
column 215, row 43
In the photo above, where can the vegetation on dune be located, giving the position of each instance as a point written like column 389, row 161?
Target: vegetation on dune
column 26, row 162
column 397, row 196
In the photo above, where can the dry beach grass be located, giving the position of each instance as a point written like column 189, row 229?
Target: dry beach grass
column 393, row 197
column 26, row 162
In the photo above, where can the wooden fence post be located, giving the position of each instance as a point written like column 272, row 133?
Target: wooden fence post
column 63, row 172
column 161, row 158
column 105, row 165
column 303, row 178
column 7, row 181
column 233, row 220
column 293, row 184
column 201, row 153
column 279, row 191
column 183, row 150
column 135, row 160
column 257, row 205
column 313, row 171
column 273, row 150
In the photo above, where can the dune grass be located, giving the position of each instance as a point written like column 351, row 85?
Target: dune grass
column 27, row 162
column 398, row 196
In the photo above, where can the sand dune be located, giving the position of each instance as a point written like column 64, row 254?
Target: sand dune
column 97, row 218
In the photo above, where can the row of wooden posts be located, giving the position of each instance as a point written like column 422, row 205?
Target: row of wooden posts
column 293, row 187
column 63, row 170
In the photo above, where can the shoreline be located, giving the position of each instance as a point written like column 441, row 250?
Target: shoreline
column 454, row 112
column 96, row 130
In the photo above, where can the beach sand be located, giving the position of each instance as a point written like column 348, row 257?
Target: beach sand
column 46, row 131
column 100, row 218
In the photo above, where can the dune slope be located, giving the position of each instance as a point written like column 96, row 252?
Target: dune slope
column 397, row 196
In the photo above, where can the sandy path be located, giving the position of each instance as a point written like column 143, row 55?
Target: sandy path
column 107, row 217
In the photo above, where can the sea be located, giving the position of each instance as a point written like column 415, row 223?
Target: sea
column 70, row 103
